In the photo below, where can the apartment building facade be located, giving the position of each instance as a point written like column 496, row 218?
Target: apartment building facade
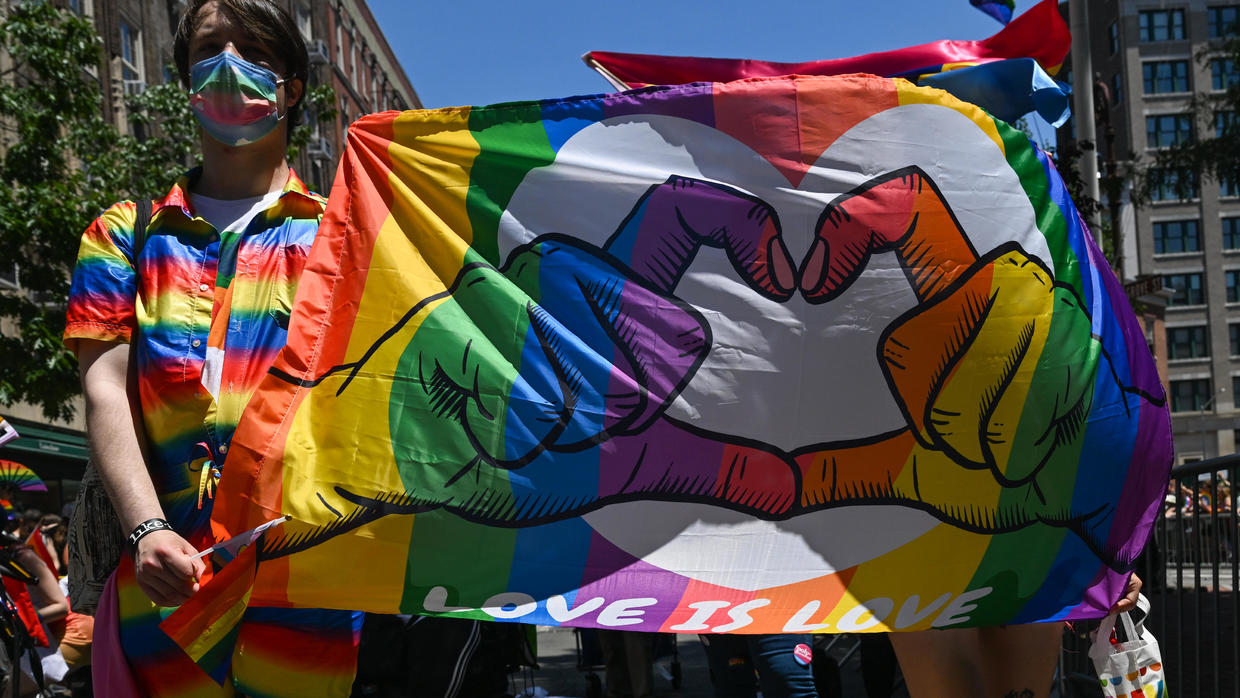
column 1153, row 56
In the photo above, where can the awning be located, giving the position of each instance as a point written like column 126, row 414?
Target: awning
column 37, row 439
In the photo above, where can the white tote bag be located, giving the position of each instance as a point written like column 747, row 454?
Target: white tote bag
column 1133, row 668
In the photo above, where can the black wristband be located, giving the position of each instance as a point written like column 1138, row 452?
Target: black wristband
column 146, row 528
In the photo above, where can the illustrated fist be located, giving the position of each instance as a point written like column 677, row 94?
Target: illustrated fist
column 985, row 372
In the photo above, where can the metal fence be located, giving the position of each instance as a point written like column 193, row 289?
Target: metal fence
column 1190, row 570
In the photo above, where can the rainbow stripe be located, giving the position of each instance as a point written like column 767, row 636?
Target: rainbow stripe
column 20, row 477
column 611, row 401
column 1040, row 34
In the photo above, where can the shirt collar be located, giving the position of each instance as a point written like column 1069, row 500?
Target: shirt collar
column 296, row 200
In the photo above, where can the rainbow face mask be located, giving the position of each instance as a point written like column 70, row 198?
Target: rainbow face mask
column 233, row 99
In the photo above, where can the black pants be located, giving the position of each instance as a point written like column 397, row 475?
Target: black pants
column 423, row 657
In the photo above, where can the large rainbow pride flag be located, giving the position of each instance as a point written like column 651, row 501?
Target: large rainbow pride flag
column 787, row 354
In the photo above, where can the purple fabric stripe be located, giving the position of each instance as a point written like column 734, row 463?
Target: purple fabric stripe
column 614, row 574
column 695, row 102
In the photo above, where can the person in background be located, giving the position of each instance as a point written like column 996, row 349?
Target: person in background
column 782, row 662
column 41, row 606
column 1001, row 661
column 30, row 521
column 628, row 657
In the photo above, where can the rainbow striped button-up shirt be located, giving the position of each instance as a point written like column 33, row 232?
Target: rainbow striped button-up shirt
column 194, row 296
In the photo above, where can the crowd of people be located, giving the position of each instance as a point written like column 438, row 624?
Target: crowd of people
column 1207, row 498
column 34, row 557
column 169, row 296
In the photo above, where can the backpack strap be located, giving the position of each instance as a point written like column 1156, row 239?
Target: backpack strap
column 139, row 228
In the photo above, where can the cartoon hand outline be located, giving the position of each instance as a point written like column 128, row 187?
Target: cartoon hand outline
column 672, row 221
column 512, row 432
column 990, row 447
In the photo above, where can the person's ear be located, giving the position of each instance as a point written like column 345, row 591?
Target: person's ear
column 293, row 89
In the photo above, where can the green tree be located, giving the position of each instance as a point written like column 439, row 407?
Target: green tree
column 62, row 163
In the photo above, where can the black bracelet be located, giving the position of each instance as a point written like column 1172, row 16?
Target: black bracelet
column 145, row 528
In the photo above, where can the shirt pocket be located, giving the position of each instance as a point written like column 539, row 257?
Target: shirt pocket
column 283, row 283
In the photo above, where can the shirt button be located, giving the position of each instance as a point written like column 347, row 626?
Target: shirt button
column 197, row 342
column 203, row 287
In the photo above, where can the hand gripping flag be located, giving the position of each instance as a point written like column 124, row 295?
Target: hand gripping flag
column 780, row 355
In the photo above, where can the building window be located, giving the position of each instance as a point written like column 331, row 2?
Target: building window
column 1231, row 233
column 1165, row 186
column 1162, row 25
column 1235, row 391
column 1223, row 73
column 1167, row 130
column 131, row 59
column 1223, row 121
column 1227, row 188
column 1233, row 334
column 1190, row 395
column 1171, row 237
column 1165, row 76
column 304, row 23
column 355, row 56
column 1117, row 89
column 84, row 8
column 339, row 42
column 1187, row 342
column 1187, row 288
column 1232, row 277
column 1222, row 20
column 1113, row 37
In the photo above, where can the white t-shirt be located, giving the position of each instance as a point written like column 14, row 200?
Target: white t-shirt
column 226, row 215
column 231, row 215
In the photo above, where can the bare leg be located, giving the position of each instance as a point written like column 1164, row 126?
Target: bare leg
column 940, row 663
column 1016, row 661
column 1019, row 660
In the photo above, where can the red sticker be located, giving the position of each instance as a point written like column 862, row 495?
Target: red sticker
column 804, row 654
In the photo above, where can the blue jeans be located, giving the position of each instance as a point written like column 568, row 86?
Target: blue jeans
column 734, row 658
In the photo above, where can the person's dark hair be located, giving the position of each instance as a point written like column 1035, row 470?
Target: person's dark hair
column 262, row 19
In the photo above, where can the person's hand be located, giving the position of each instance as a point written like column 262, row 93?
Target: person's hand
column 164, row 568
column 1128, row 601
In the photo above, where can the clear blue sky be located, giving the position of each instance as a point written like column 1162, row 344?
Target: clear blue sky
column 486, row 51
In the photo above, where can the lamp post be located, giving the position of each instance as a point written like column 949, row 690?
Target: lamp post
column 1083, row 107
column 1204, row 416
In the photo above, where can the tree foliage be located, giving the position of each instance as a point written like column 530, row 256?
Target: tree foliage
column 1213, row 155
column 64, row 162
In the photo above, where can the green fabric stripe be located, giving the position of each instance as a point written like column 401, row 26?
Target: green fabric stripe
column 1016, row 564
column 512, row 141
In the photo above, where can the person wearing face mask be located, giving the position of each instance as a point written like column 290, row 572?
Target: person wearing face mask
column 174, row 327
